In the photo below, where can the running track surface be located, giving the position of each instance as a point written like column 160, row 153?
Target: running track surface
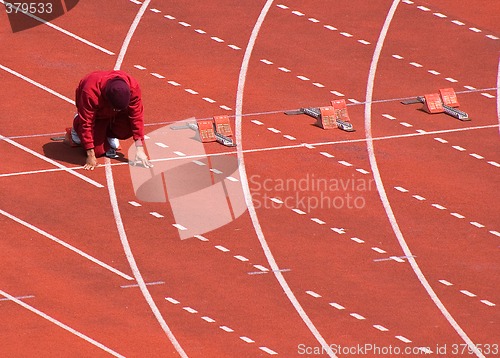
column 399, row 252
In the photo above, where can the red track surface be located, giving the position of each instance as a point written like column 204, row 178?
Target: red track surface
column 440, row 177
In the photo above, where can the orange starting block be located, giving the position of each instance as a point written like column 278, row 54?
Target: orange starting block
column 443, row 102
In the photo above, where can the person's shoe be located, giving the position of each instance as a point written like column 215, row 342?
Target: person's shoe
column 114, row 143
column 111, row 153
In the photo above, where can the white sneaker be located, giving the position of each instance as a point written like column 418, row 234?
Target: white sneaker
column 114, row 143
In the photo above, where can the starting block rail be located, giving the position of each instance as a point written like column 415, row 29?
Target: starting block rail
column 443, row 102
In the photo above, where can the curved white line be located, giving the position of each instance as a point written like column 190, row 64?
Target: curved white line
column 498, row 94
column 116, row 210
column 383, row 195
column 246, row 188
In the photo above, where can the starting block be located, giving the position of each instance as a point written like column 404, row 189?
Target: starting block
column 443, row 102
column 217, row 129
column 334, row 116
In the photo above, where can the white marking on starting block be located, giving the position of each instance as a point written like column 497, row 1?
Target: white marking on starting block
column 241, row 258
column 247, row 340
column 328, row 155
column 189, row 90
column 289, row 137
column 234, row 47
column 157, row 75
column 276, row 200
column 312, row 19
column 209, row 100
column 416, row 64
column 173, row 83
column 441, row 140
column 357, row 316
column 407, row 125
column 401, row 189
column 232, row 179
column 423, row 8
column 259, row 123
column 201, row 238
column 282, row 6
column 339, row 231
column 362, row 171
column 284, row 69
column 487, row 95
column 380, row 328
column 226, row 108
column 434, row 72
column 336, row 93
column 418, row 197
column 274, row 130
column 200, row 31
column 468, row 293
column 298, row 13
column 403, row 339
column 379, row 250
column 477, row 156
column 488, row 303
column 496, row 233
column 475, row 29
column 155, row 10
column 388, row 116
column 267, row 62
column 451, row 79
column 185, row 24
column 298, row 211
column 364, row 42
column 329, row 27
column 337, row 306
column 438, row 14
column 359, row 241
column 493, row 37
column 318, row 221
column 303, row 78
column 343, row 162
column 313, row 294
column 346, row 34
column 317, row 84
column 222, row 248
column 268, row 351
column 437, row 206
column 459, row 148
column 459, row 23
column 169, row 17
column 179, row 227
column 156, row 215
column 134, row 203
column 476, row 224
column 457, row 215
column 398, row 57
column 139, row 67
column 180, row 154
column 172, row 300
column 226, row 329
column 217, row 39
column 162, row 145
column 446, row 283
column 208, row 319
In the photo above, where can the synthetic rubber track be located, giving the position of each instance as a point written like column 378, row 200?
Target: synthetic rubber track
column 379, row 242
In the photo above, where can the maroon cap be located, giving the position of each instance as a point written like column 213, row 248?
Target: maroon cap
column 118, row 93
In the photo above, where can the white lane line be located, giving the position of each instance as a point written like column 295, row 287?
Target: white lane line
column 381, row 188
column 226, row 329
column 418, row 197
column 403, row 339
column 343, row 162
column 208, row 319
column 313, row 294
column 380, row 328
column 201, row 238
column 268, row 351
column 446, row 283
column 328, row 155
column 66, row 32
column 357, row 316
column 261, row 268
column 468, row 293
column 477, row 156
column 379, row 250
column 241, row 258
column 147, row 284
column 116, row 209
column 222, row 248
column 339, row 231
column 179, row 227
column 247, row 340
column 458, row 216
column 337, row 306
column 437, row 206
column 298, row 211
column 18, row 297
column 476, row 224
column 61, row 325
column 65, row 244
column 495, row 164
column 358, row 240
column 156, row 215
column 53, row 162
column 190, row 310
column 318, row 221
column 401, row 189
column 488, row 303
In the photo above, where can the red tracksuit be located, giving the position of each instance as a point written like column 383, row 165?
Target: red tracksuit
column 96, row 119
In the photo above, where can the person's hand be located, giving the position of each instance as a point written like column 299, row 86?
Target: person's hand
column 141, row 158
column 91, row 162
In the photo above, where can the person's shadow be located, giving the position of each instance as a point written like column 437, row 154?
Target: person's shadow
column 59, row 151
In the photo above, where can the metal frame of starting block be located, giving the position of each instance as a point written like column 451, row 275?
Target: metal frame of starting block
column 443, row 102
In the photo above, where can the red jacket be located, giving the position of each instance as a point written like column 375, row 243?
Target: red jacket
column 93, row 106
